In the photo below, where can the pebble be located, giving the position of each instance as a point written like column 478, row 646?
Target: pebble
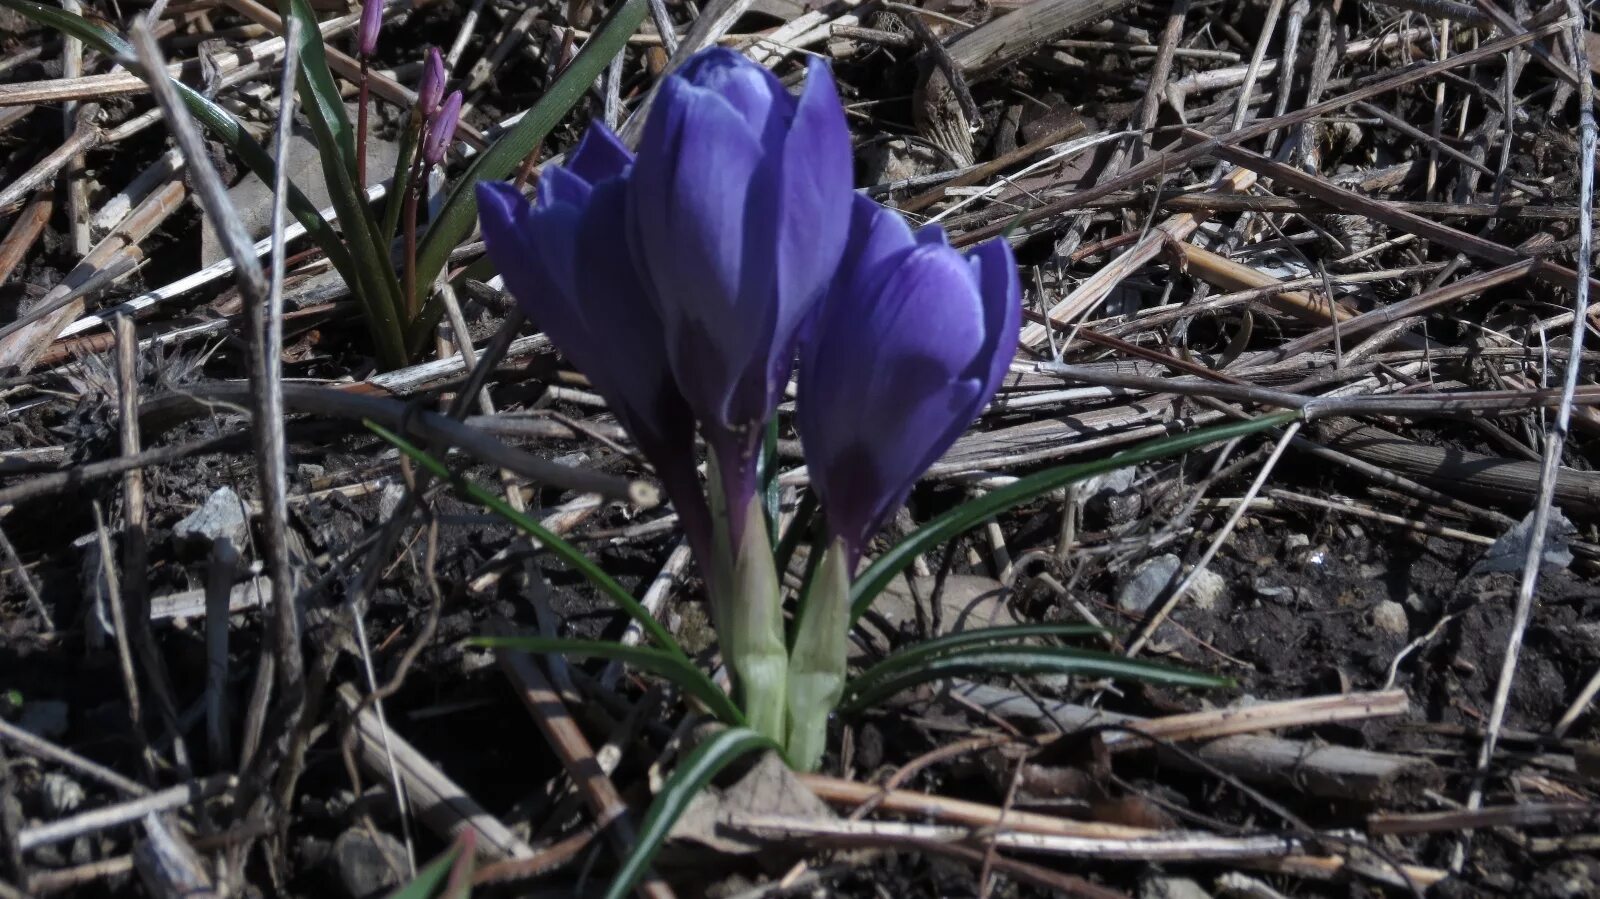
column 1390, row 617
column 1147, row 583
column 368, row 862
column 1296, row 541
column 1206, row 590
column 221, row 517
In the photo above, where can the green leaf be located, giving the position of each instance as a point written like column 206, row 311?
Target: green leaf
column 375, row 286
column 323, row 94
column 401, row 182
column 962, row 518
column 566, row 551
column 213, row 117
column 919, row 654
column 656, row 661
column 985, row 660
column 427, row 882
column 686, row 782
column 460, row 210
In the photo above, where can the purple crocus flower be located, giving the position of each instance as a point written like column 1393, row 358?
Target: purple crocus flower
column 430, row 90
column 367, row 32
column 442, row 129
column 911, row 342
column 560, row 259
column 734, row 216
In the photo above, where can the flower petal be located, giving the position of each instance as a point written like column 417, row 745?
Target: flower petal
column 557, row 186
column 690, row 198
column 533, row 249
column 753, row 91
column 599, row 155
column 995, row 269
column 886, row 385
column 814, row 190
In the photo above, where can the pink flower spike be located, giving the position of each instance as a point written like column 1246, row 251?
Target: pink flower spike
column 371, row 22
column 431, row 89
column 442, row 129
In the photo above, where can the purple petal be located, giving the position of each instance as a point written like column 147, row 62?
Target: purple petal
column 534, row 251
column 689, row 207
column 888, row 385
column 753, row 91
column 557, row 186
column 815, row 189
column 599, row 155
column 999, row 285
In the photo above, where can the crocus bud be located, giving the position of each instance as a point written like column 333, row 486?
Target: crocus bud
column 734, row 218
column 371, row 21
column 561, row 260
column 441, row 129
column 431, row 89
column 907, row 348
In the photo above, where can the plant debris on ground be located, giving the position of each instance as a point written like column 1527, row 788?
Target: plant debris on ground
column 1374, row 215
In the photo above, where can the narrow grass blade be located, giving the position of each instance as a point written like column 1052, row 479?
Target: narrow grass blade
column 656, row 661
column 687, row 780
column 499, row 161
column 992, row 660
column 376, row 287
column 918, row 654
column 962, row 518
column 566, row 551
column 324, row 90
column 401, row 181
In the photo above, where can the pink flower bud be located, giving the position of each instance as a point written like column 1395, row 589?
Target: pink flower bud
column 441, row 129
column 431, row 89
column 371, row 21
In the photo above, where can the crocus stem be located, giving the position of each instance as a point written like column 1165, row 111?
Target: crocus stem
column 748, row 608
column 361, row 129
column 817, row 665
column 409, row 282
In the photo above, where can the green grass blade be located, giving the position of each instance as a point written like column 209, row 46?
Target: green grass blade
column 687, row 780
column 1024, row 660
column 427, row 882
column 918, row 654
column 376, row 286
column 566, row 551
column 964, row 517
column 401, row 182
column 322, row 98
column 215, row 119
column 645, row 658
column 460, row 210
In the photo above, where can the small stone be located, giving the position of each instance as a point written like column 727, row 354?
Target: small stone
column 44, row 718
column 368, row 862
column 61, row 793
column 1148, row 582
column 1205, row 590
column 1296, row 541
column 310, row 471
column 1390, row 617
column 221, row 517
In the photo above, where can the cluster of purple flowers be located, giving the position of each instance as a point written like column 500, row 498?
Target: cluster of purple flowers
column 686, row 279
